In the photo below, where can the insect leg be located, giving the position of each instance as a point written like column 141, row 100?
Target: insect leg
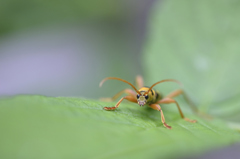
column 170, row 100
column 127, row 91
column 179, row 92
column 190, row 103
column 129, row 98
column 139, row 81
column 157, row 107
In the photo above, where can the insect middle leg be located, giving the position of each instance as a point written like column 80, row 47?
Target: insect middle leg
column 168, row 100
column 157, row 107
column 179, row 92
column 190, row 103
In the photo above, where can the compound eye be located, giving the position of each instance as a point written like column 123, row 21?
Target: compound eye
column 138, row 96
column 146, row 96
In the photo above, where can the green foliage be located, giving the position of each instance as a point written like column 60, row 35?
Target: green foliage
column 48, row 127
column 16, row 15
column 197, row 43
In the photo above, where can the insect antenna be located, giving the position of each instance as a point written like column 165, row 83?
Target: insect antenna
column 115, row 78
column 166, row 80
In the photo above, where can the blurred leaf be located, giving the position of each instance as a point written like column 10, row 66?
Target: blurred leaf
column 16, row 15
column 48, row 127
column 197, row 43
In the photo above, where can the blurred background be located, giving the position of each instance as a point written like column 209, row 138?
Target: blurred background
column 56, row 48
column 65, row 48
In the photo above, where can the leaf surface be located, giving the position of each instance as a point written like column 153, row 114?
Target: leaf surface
column 50, row 127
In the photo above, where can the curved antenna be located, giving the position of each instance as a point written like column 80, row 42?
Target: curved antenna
column 166, row 80
column 115, row 78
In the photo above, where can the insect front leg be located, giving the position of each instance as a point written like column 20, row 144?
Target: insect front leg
column 157, row 107
column 170, row 100
column 127, row 91
column 129, row 98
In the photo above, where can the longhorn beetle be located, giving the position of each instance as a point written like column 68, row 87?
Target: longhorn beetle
column 149, row 96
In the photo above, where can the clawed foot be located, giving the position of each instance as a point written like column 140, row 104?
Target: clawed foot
column 167, row 126
column 109, row 108
column 190, row 120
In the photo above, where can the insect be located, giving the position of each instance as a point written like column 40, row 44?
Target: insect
column 149, row 96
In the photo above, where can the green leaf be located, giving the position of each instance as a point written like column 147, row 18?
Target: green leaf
column 197, row 43
column 50, row 127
